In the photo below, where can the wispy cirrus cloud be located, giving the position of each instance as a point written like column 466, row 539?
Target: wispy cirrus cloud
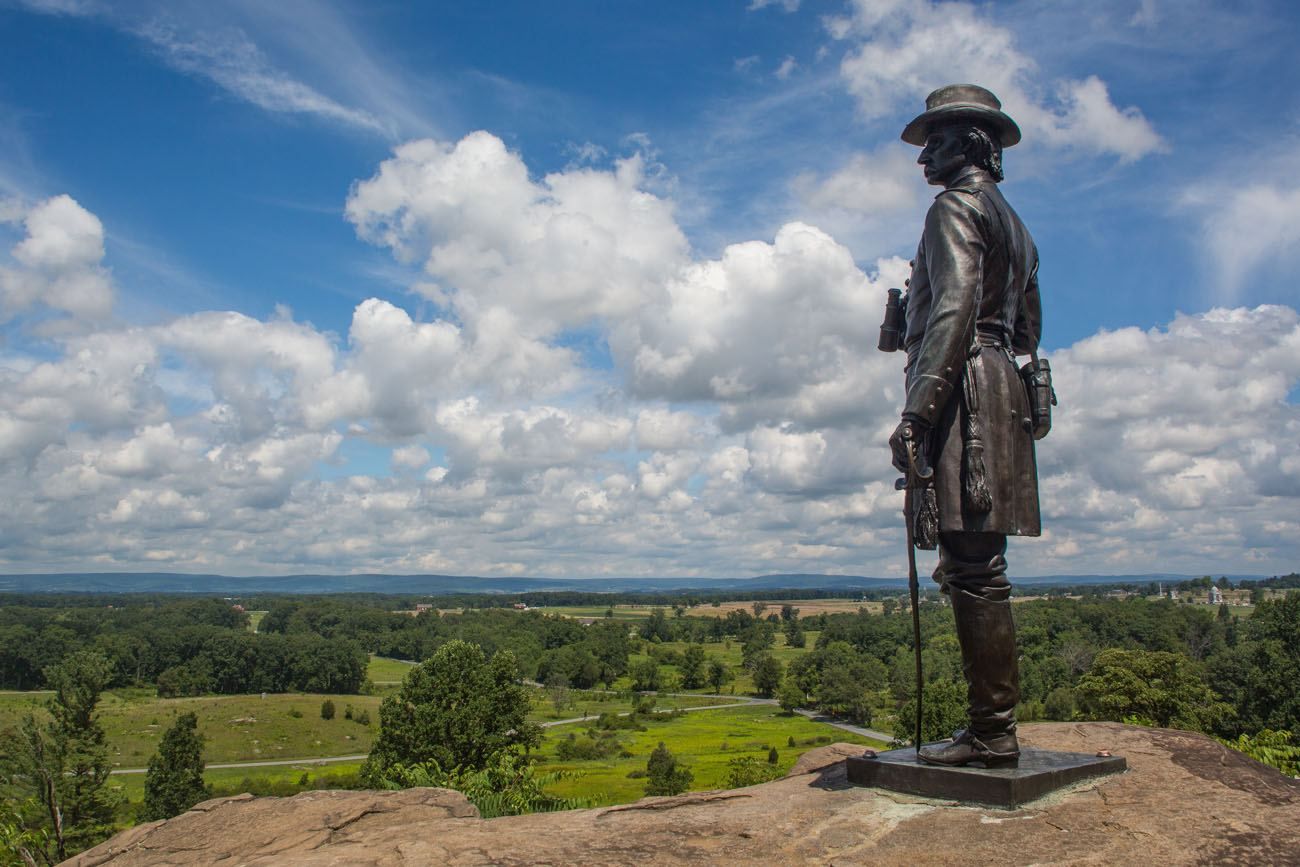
column 319, row 67
column 231, row 60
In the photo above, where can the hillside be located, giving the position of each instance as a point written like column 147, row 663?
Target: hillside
column 1185, row 800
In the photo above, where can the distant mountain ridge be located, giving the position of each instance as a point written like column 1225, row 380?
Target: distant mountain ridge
column 435, row 585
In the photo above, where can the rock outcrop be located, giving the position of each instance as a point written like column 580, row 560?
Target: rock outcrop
column 1184, row 800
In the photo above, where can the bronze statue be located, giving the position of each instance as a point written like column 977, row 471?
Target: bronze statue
column 972, row 306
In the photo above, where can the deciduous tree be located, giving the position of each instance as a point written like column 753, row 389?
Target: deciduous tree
column 458, row 709
column 692, row 666
column 767, row 675
column 719, row 674
column 1154, row 687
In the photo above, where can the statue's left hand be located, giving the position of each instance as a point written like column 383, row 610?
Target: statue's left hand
column 906, row 437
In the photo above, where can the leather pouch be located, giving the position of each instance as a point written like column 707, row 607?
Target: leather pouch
column 1037, row 377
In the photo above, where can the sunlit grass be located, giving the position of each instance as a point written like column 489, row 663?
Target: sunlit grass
column 236, row 728
column 705, row 741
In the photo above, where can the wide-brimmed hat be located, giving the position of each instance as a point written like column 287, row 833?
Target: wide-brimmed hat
column 962, row 102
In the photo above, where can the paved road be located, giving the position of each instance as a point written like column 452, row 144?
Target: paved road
column 316, row 760
column 848, row 727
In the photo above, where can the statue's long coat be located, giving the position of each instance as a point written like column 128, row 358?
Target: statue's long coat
column 972, row 295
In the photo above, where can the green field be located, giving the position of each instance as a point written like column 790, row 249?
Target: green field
column 249, row 728
column 286, row 779
column 382, row 670
column 593, row 702
column 237, row 728
column 254, row 619
column 704, row 741
column 620, row 612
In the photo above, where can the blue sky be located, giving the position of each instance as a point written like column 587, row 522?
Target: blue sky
column 578, row 288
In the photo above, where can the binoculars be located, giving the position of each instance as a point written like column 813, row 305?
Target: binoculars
column 894, row 329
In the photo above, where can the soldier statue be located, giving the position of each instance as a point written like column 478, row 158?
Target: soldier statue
column 972, row 306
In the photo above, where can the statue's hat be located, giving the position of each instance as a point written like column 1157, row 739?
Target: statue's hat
column 954, row 103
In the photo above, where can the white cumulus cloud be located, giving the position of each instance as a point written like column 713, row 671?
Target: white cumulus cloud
column 894, row 61
column 59, row 263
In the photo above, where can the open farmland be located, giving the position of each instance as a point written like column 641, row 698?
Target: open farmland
column 807, row 607
column 636, row 612
column 594, row 612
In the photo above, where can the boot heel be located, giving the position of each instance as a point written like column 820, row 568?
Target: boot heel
column 1000, row 761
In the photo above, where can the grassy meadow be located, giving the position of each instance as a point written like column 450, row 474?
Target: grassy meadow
column 384, row 671
column 593, row 702
column 237, row 728
column 704, row 741
column 289, row 728
column 283, row 726
column 278, row 780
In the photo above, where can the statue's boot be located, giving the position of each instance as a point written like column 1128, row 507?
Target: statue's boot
column 987, row 636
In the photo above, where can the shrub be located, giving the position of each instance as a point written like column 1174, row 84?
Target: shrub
column 1060, row 704
column 327, row 709
column 508, row 786
column 749, row 771
column 1277, row 749
column 611, row 721
column 664, row 775
column 585, row 748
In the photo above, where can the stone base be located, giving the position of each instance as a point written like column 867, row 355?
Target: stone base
column 1039, row 773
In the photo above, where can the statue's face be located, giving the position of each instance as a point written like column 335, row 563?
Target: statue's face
column 944, row 155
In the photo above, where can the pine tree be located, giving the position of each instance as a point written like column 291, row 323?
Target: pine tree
column 174, row 781
column 63, row 764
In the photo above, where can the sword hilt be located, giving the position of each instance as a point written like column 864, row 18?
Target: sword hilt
column 919, row 471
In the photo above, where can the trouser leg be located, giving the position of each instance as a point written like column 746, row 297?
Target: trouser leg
column 973, row 571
